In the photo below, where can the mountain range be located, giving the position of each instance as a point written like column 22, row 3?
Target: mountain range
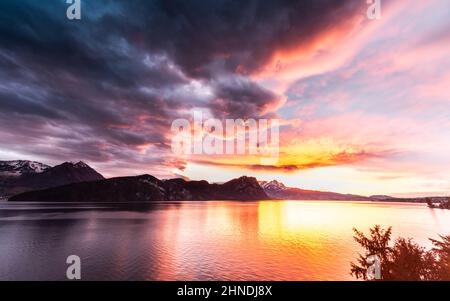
column 78, row 182
column 147, row 188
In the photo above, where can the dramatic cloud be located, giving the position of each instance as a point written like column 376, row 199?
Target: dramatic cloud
column 242, row 98
column 106, row 88
column 237, row 36
column 367, row 95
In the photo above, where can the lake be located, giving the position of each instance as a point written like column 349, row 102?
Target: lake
column 214, row 240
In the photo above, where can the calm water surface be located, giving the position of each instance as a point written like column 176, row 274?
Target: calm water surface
column 268, row 240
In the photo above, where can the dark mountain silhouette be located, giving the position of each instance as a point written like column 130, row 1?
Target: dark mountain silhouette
column 62, row 174
column 147, row 188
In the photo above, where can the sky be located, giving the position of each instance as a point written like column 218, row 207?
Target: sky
column 364, row 105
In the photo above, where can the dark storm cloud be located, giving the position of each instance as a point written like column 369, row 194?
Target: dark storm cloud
column 11, row 104
column 197, row 34
column 107, row 87
column 241, row 98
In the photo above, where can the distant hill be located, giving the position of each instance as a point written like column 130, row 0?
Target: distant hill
column 21, row 176
column 147, row 188
column 435, row 199
column 381, row 197
column 277, row 190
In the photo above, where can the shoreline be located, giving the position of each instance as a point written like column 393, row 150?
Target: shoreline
column 5, row 200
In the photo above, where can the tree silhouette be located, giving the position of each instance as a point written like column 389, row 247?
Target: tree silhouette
column 376, row 244
column 405, row 260
column 408, row 262
column 441, row 253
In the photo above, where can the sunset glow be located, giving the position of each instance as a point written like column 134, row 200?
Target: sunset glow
column 364, row 105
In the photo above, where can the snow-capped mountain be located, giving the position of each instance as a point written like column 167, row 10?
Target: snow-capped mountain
column 272, row 186
column 21, row 176
column 17, row 168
